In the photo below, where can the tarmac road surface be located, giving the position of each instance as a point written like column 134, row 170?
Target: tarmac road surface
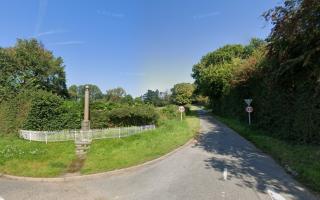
column 220, row 165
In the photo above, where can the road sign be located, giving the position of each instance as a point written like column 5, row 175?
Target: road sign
column 181, row 109
column 248, row 101
column 249, row 109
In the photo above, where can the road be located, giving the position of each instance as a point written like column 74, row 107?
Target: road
column 220, row 165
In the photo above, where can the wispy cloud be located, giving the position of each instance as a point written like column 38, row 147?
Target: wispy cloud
column 67, row 43
column 43, row 4
column 110, row 14
column 206, row 15
column 51, row 32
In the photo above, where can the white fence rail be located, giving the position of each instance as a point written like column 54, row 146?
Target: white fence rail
column 66, row 135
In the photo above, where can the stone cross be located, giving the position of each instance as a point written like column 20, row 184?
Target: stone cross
column 85, row 126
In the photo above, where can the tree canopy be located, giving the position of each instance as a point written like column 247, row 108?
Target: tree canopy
column 77, row 92
column 281, row 75
column 28, row 65
column 182, row 93
column 294, row 43
column 115, row 94
column 214, row 71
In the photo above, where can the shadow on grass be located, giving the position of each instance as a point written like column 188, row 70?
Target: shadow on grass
column 248, row 166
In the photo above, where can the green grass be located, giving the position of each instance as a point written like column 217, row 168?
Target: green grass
column 35, row 159
column 106, row 155
column 304, row 159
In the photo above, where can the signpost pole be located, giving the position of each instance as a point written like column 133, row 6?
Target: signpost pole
column 181, row 110
column 249, row 109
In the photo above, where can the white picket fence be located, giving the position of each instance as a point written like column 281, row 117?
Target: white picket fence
column 76, row 135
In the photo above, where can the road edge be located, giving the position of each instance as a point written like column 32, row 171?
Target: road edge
column 95, row 175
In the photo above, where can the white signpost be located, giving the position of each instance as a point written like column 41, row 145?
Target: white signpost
column 181, row 110
column 249, row 109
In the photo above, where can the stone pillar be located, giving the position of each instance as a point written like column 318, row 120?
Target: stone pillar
column 85, row 126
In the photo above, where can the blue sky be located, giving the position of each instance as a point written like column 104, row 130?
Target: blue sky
column 136, row 44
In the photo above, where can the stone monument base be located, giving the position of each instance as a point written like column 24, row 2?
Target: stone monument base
column 85, row 125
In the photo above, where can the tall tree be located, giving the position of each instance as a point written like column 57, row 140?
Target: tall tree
column 152, row 97
column 73, row 92
column 28, row 65
column 182, row 93
column 294, row 43
column 115, row 94
column 213, row 71
column 95, row 92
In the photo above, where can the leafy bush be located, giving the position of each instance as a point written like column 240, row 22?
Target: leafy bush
column 50, row 112
column 45, row 113
column 13, row 113
column 170, row 111
column 124, row 115
column 99, row 119
column 71, row 116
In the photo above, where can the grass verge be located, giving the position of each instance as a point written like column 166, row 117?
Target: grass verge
column 106, row 155
column 35, row 159
column 303, row 159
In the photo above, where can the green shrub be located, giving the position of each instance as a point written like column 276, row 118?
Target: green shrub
column 71, row 115
column 122, row 115
column 45, row 113
column 169, row 112
column 99, row 119
column 13, row 113
column 42, row 110
column 133, row 115
column 50, row 112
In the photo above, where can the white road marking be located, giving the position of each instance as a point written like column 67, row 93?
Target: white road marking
column 223, row 194
column 274, row 195
column 225, row 174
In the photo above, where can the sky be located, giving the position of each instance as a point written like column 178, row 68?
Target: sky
column 135, row 44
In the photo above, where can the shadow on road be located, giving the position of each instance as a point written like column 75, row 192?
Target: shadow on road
column 246, row 165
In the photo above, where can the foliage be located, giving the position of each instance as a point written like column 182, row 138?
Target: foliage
column 156, row 98
column 115, row 94
column 114, row 115
column 182, row 93
column 169, row 112
column 201, row 100
column 71, row 116
column 28, row 65
column 214, row 71
column 281, row 77
column 13, row 113
column 49, row 112
column 77, row 92
column 294, row 39
column 73, row 92
column 44, row 112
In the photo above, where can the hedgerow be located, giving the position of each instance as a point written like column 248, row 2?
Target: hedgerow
column 281, row 76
